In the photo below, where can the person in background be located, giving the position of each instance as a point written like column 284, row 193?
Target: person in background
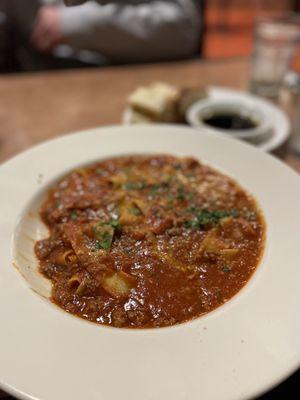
column 116, row 31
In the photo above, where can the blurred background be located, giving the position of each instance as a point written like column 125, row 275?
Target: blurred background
column 43, row 35
column 227, row 31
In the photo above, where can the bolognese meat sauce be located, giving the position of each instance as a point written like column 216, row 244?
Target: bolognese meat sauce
column 148, row 241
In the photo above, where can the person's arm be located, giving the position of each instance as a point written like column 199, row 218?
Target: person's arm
column 133, row 31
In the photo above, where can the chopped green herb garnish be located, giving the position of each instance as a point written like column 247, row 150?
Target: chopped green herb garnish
column 99, row 171
column 134, row 185
column 73, row 214
column 181, row 194
column 135, row 211
column 226, row 268
column 96, row 246
column 104, row 233
column 205, row 217
column 104, row 240
column 219, row 214
column 158, row 187
column 191, row 224
column 155, row 189
column 114, row 222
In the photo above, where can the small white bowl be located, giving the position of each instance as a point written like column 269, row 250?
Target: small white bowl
column 203, row 109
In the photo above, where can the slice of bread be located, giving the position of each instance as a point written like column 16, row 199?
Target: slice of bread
column 158, row 101
column 138, row 118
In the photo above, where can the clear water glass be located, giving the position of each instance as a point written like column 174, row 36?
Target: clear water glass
column 290, row 100
column 275, row 42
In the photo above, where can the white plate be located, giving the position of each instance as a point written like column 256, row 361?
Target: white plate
column 236, row 352
column 278, row 119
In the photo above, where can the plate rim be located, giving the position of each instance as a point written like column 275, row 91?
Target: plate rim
column 23, row 395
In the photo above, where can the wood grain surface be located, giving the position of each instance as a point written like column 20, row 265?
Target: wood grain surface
column 35, row 107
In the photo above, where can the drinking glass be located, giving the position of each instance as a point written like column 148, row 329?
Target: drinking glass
column 290, row 101
column 275, row 42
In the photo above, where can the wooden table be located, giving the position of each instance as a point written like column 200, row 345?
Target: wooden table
column 36, row 107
